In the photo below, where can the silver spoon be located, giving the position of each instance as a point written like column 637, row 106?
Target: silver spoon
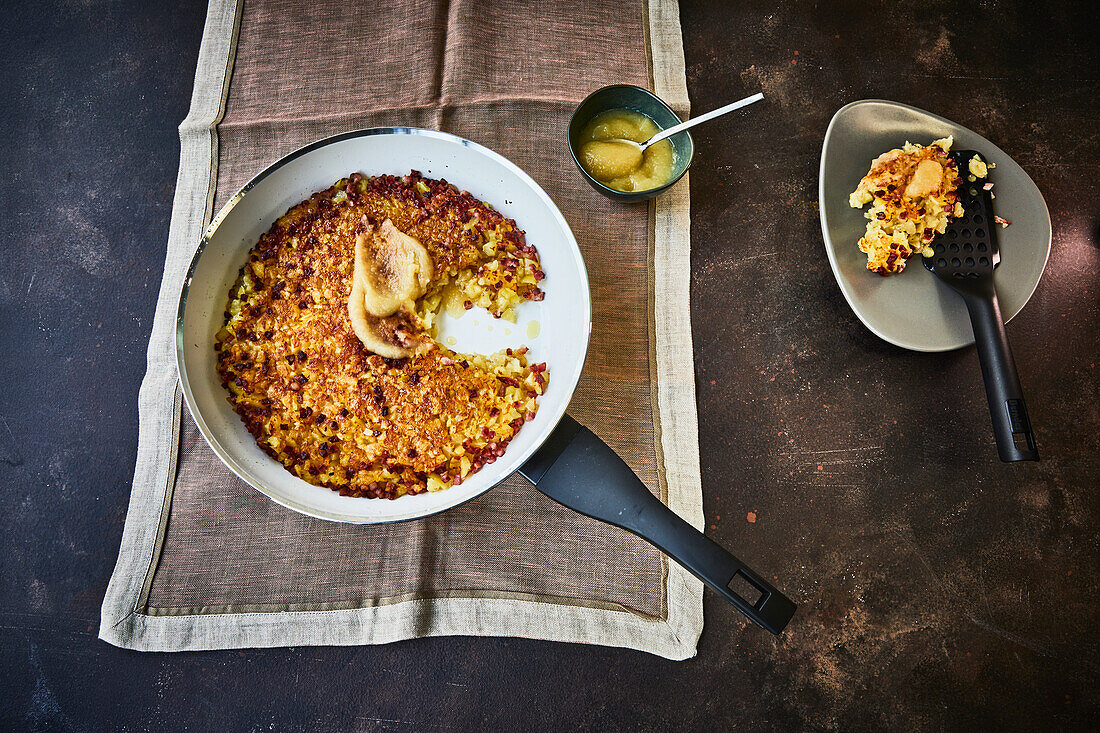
column 665, row 134
column 615, row 157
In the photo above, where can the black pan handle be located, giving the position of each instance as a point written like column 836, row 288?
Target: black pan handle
column 1011, row 426
column 577, row 469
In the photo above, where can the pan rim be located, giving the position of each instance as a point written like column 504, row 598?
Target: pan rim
column 571, row 379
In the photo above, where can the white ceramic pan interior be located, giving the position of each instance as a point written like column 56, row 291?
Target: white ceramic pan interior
column 563, row 318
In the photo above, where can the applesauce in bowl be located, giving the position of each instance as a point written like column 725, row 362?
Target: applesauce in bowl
column 627, row 112
column 620, row 165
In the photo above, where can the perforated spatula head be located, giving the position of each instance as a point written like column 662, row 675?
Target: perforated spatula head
column 964, row 258
column 967, row 251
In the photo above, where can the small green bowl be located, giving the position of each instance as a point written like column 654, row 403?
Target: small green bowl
column 637, row 99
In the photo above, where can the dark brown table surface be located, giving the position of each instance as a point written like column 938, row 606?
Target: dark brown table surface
column 938, row 588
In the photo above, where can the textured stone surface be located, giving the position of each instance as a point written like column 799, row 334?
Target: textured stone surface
column 939, row 588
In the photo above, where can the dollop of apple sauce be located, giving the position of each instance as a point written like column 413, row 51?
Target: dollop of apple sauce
column 618, row 164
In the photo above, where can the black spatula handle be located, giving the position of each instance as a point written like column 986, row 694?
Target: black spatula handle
column 1011, row 425
column 577, row 469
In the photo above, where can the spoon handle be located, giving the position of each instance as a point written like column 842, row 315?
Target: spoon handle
column 703, row 118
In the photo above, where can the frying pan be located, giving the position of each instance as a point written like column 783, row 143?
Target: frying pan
column 563, row 459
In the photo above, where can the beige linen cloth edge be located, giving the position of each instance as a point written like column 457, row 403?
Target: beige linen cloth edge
column 674, row 637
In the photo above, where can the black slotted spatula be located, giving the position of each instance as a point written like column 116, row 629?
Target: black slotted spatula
column 964, row 258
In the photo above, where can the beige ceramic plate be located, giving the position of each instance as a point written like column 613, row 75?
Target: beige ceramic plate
column 914, row 310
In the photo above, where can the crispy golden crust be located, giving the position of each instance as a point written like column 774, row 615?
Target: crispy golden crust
column 336, row 414
column 912, row 195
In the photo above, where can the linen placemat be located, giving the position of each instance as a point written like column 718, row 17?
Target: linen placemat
column 208, row 562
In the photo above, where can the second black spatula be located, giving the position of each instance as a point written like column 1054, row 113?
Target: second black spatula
column 964, row 259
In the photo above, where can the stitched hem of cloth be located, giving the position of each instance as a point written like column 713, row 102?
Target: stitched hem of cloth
column 374, row 602
column 411, row 619
column 158, row 398
column 128, row 622
column 672, row 363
